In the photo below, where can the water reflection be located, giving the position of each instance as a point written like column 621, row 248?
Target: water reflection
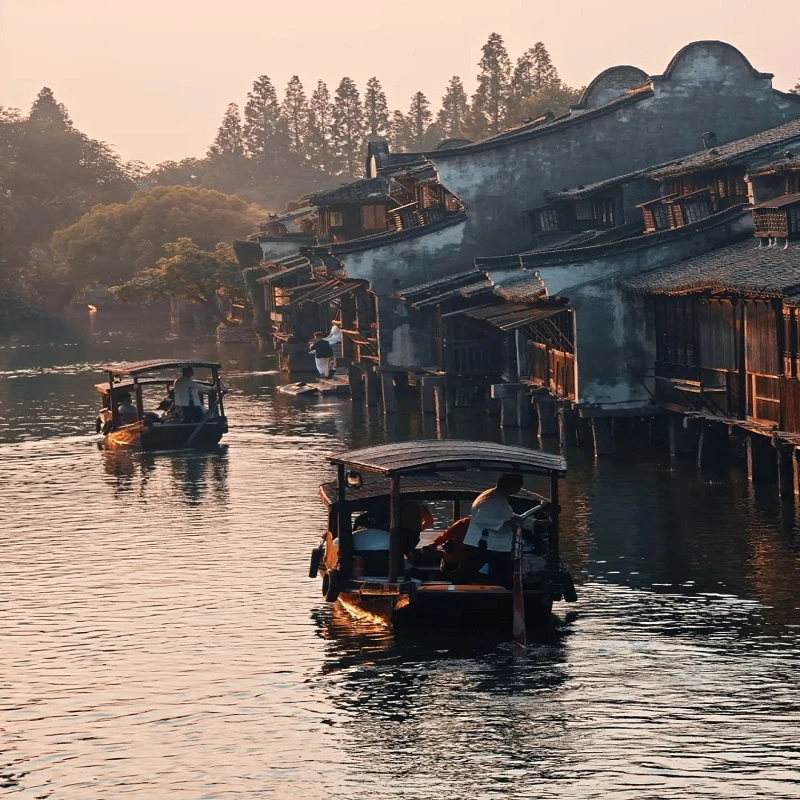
column 161, row 638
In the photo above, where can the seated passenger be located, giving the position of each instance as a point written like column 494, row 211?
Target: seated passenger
column 126, row 411
column 451, row 545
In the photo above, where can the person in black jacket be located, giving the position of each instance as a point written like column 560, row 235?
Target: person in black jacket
column 323, row 353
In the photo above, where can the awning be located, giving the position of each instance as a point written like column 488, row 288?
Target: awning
column 327, row 291
column 284, row 272
column 511, row 316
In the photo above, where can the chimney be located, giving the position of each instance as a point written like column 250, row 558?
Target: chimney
column 709, row 140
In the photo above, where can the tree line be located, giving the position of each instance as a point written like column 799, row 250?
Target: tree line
column 324, row 133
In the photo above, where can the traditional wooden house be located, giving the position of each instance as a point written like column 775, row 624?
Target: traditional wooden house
column 354, row 210
column 712, row 179
column 725, row 327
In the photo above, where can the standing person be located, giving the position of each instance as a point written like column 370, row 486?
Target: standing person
column 187, row 394
column 323, row 353
column 490, row 533
column 334, row 339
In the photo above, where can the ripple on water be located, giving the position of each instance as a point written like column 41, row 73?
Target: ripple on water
column 160, row 640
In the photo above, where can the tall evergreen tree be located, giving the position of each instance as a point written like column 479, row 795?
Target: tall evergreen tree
column 796, row 89
column 45, row 108
column 419, row 119
column 534, row 76
column 348, row 128
column 229, row 140
column 320, row 124
column 452, row 117
column 262, row 121
column 376, row 110
column 295, row 116
column 399, row 132
column 491, row 98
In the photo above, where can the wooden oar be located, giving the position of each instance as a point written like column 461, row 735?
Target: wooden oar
column 518, row 627
column 202, row 422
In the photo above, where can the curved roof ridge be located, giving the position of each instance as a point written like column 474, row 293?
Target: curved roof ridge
column 678, row 57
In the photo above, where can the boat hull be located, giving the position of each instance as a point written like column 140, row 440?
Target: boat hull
column 172, row 436
column 448, row 607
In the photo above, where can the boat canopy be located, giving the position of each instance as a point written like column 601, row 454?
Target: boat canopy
column 451, row 455
column 128, row 385
column 134, row 368
column 432, row 487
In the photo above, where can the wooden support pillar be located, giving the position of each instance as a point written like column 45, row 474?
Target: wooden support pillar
column 714, row 448
column 440, row 406
column 373, row 387
column 388, row 392
column 682, row 439
column 546, row 409
column 514, row 405
column 787, row 472
column 355, row 377
column 762, row 463
column 602, row 435
column 567, row 427
column 427, row 398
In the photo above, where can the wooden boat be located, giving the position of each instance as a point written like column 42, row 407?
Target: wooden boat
column 443, row 474
column 153, row 430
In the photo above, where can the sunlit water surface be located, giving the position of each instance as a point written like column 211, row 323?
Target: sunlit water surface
column 160, row 638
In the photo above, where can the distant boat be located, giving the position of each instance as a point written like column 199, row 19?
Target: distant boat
column 163, row 429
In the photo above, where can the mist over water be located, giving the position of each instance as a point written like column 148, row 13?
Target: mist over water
column 161, row 639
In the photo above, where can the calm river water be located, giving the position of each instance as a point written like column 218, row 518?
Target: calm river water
column 160, row 638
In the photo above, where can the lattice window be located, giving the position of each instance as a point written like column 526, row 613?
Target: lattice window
column 549, row 220
column 792, row 183
column 335, row 219
column 794, row 221
column 373, row 218
column 770, row 222
column 584, row 210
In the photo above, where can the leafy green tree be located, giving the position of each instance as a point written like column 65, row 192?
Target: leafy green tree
column 490, row 100
column 191, row 274
column 50, row 174
column 347, row 129
column 187, row 172
column 452, row 118
column 295, row 111
column 419, row 119
column 46, row 108
column 111, row 243
column 320, row 128
column 376, row 110
column 229, row 140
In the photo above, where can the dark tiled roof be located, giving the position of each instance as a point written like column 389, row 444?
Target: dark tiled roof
column 543, row 125
column 736, row 152
column 355, row 192
column 390, row 237
column 780, row 202
column 390, row 163
column 440, row 284
column 589, row 189
column 783, row 160
column 529, row 288
column 744, row 267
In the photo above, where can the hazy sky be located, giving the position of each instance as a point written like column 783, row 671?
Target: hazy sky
column 153, row 77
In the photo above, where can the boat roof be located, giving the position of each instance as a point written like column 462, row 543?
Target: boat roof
column 443, row 487
column 436, row 455
column 127, row 385
column 138, row 367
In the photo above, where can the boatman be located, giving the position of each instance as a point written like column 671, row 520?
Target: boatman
column 187, row 395
column 490, row 533
column 323, row 353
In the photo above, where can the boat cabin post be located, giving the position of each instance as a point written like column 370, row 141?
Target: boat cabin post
column 112, row 401
column 554, row 516
column 395, row 543
column 217, row 390
column 343, row 524
column 137, row 390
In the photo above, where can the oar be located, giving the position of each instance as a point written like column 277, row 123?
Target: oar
column 202, row 422
column 518, row 627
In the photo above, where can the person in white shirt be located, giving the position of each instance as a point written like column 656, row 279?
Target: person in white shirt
column 187, row 394
column 490, row 534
